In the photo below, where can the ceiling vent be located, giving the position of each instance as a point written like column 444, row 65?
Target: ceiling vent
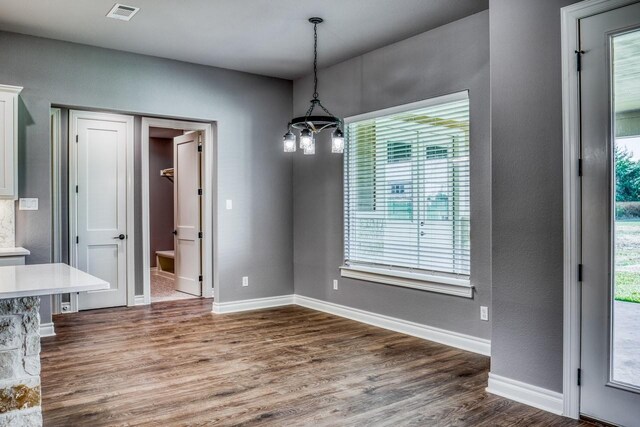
column 122, row 12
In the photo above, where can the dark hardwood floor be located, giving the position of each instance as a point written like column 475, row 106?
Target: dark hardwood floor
column 176, row 363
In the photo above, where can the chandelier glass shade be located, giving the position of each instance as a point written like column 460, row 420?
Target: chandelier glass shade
column 310, row 125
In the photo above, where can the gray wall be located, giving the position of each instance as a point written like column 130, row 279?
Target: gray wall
column 526, row 105
column 255, row 238
column 160, row 197
column 448, row 59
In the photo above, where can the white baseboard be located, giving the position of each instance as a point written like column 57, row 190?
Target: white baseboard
column 47, row 330
column 442, row 336
column 528, row 394
column 453, row 339
column 251, row 304
column 139, row 300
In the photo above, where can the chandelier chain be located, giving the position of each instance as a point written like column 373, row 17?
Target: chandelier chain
column 316, row 124
column 315, row 61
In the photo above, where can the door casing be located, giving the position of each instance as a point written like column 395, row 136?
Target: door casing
column 570, row 20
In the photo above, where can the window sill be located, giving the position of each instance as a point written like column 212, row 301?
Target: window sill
column 425, row 282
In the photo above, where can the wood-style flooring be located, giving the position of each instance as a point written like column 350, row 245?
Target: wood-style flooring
column 175, row 363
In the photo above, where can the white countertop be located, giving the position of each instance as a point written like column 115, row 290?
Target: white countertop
column 14, row 252
column 45, row 279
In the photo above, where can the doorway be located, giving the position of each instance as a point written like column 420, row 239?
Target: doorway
column 602, row 214
column 175, row 228
column 177, row 203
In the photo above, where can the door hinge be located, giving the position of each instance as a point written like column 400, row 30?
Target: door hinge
column 199, row 148
column 199, row 278
column 579, row 167
column 76, row 138
column 579, row 54
column 76, row 188
column 579, row 272
column 199, row 191
column 579, row 376
column 199, row 234
column 77, row 239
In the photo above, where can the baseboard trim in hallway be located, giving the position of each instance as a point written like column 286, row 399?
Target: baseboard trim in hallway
column 442, row 336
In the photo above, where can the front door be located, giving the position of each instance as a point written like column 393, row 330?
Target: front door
column 610, row 117
column 187, row 198
column 98, row 175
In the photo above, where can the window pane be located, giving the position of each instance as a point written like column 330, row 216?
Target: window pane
column 407, row 189
column 626, row 225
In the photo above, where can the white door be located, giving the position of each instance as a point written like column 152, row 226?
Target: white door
column 98, row 166
column 610, row 117
column 187, row 197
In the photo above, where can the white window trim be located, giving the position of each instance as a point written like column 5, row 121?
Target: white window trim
column 426, row 282
column 390, row 276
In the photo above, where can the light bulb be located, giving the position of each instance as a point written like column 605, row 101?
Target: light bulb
column 289, row 140
column 337, row 141
column 306, row 139
column 311, row 149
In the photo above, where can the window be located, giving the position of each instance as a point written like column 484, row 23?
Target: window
column 407, row 192
column 398, row 152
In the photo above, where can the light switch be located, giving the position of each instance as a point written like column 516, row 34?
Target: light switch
column 229, row 204
column 28, row 204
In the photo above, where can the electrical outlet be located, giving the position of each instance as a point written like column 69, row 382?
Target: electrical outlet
column 335, row 285
column 245, row 281
column 484, row 312
column 66, row 307
column 28, row 204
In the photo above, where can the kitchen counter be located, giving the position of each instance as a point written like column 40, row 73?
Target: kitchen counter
column 21, row 287
column 45, row 279
column 13, row 256
column 14, row 252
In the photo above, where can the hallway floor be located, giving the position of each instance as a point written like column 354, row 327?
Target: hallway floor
column 164, row 289
column 176, row 363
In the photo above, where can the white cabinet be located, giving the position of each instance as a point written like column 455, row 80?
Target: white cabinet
column 9, row 141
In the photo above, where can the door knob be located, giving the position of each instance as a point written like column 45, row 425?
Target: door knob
column 121, row 237
column 174, row 232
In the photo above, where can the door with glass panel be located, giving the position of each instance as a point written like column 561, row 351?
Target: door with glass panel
column 610, row 116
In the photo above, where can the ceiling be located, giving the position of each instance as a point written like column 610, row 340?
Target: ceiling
column 268, row 37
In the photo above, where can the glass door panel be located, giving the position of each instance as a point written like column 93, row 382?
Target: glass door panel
column 625, row 328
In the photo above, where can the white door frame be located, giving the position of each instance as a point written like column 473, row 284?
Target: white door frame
column 570, row 18
column 208, row 149
column 56, row 206
column 73, row 166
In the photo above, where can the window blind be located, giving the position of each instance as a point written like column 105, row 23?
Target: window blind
column 406, row 195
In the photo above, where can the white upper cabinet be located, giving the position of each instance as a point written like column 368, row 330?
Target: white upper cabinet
column 9, row 141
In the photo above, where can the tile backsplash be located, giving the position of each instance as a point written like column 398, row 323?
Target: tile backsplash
column 7, row 224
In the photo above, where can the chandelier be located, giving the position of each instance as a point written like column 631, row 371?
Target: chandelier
column 310, row 125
